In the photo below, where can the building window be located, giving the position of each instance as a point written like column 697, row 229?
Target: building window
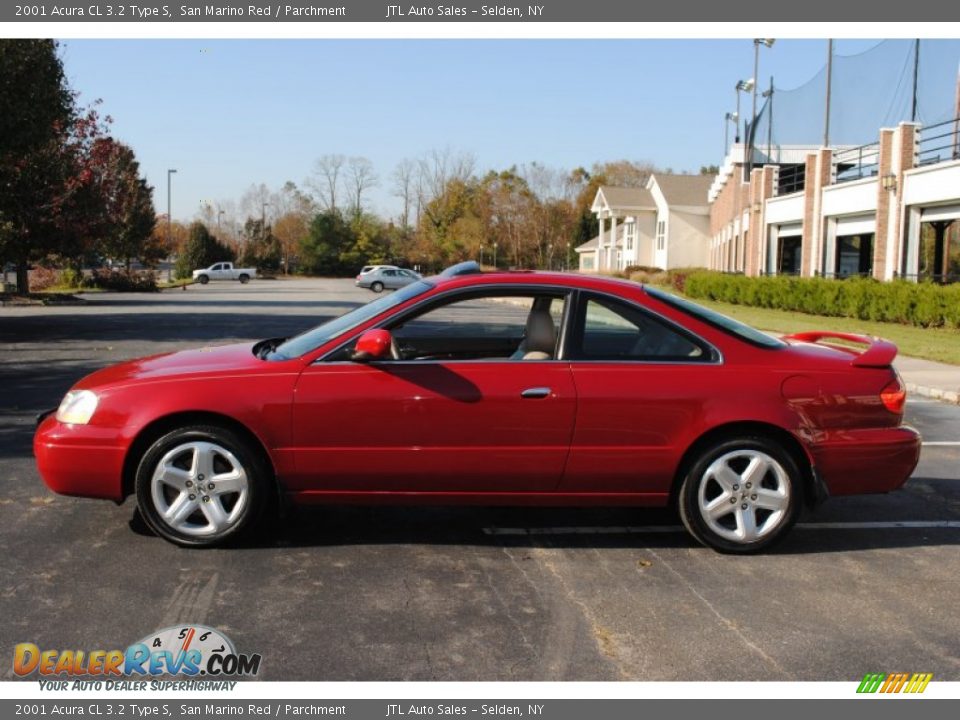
column 630, row 230
column 854, row 255
column 586, row 262
column 661, row 234
column 788, row 257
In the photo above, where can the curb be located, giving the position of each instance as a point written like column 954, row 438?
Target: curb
column 947, row 396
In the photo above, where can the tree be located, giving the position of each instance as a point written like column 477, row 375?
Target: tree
column 326, row 180
column 202, row 250
column 129, row 217
column 37, row 172
column 328, row 237
column 709, row 170
column 260, row 248
column 404, row 187
column 362, row 177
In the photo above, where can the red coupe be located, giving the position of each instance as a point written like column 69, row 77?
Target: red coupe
column 498, row 388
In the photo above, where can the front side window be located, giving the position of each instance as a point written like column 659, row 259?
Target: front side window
column 613, row 330
column 314, row 338
column 495, row 326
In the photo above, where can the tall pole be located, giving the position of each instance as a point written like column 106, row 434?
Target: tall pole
column 826, row 122
column 726, row 137
column 753, row 113
column 736, row 136
column 770, row 124
column 916, row 73
column 170, row 172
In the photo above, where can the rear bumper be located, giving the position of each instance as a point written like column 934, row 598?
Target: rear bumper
column 874, row 460
column 80, row 460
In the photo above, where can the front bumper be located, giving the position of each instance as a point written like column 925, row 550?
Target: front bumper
column 81, row 460
column 871, row 460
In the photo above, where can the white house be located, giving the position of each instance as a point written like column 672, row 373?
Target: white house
column 665, row 224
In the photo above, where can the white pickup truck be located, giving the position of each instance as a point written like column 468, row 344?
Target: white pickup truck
column 224, row 271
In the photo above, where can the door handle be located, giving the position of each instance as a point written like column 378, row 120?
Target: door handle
column 535, row 392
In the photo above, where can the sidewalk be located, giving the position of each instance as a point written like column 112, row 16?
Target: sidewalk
column 930, row 379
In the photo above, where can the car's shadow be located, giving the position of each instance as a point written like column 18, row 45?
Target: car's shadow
column 572, row 528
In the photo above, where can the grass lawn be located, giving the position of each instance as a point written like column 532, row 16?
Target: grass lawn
column 928, row 343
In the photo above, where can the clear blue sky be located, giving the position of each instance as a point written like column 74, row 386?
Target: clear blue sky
column 231, row 113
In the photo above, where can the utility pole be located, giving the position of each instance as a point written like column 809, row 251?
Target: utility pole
column 170, row 172
column 826, row 122
column 916, row 74
column 769, row 94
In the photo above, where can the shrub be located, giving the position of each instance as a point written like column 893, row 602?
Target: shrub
column 125, row 280
column 920, row 304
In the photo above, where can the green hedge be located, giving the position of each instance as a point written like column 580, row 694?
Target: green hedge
column 921, row 304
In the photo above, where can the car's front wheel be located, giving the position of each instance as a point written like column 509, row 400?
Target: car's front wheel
column 201, row 486
column 741, row 495
column 204, row 279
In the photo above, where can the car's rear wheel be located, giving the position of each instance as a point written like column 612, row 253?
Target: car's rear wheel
column 244, row 279
column 201, row 486
column 203, row 279
column 741, row 495
column 377, row 287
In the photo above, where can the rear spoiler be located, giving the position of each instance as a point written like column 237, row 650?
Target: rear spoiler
column 880, row 353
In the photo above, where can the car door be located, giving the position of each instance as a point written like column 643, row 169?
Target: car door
column 642, row 384
column 455, row 415
column 390, row 279
column 216, row 272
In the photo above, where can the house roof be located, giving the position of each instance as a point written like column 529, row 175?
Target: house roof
column 686, row 190
column 589, row 245
column 623, row 197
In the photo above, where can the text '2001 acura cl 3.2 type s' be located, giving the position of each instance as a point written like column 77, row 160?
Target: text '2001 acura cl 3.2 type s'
column 504, row 388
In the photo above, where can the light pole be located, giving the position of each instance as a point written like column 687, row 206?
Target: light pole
column 220, row 214
column 727, row 119
column 170, row 172
column 481, row 254
column 757, row 42
column 494, row 253
column 742, row 87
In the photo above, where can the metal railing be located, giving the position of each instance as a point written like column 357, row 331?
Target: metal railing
column 791, row 179
column 939, row 143
column 942, row 279
column 858, row 162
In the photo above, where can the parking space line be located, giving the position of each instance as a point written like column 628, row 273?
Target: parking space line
column 661, row 529
column 944, row 443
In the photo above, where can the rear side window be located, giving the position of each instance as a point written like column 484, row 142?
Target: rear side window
column 612, row 330
column 711, row 317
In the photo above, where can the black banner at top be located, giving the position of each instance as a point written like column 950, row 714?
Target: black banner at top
column 579, row 11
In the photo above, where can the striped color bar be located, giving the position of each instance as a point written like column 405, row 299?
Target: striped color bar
column 894, row 682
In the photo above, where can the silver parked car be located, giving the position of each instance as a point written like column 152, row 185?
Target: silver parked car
column 378, row 277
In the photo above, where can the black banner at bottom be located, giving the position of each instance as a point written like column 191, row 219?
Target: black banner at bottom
column 875, row 708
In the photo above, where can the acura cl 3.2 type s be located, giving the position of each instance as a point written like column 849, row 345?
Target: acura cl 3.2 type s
column 499, row 388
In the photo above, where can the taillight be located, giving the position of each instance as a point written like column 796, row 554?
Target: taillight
column 894, row 396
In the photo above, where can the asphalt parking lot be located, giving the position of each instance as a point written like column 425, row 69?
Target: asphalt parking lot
column 864, row 584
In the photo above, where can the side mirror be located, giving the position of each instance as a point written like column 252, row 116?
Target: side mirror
column 372, row 345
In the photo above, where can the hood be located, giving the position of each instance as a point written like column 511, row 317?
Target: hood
column 225, row 358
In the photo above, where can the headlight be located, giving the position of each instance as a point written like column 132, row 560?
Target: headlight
column 77, row 407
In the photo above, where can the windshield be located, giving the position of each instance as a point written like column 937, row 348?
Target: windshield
column 711, row 317
column 315, row 337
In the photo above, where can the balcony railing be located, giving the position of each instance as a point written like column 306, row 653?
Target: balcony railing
column 791, row 179
column 939, row 143
column 858, row 162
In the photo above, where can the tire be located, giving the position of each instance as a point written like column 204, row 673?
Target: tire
column 244, row 279
column 169, row 476
column 727, row 476
column 203, row 279
column 377, row 287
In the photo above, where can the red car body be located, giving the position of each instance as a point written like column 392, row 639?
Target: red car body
column 608, row 432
